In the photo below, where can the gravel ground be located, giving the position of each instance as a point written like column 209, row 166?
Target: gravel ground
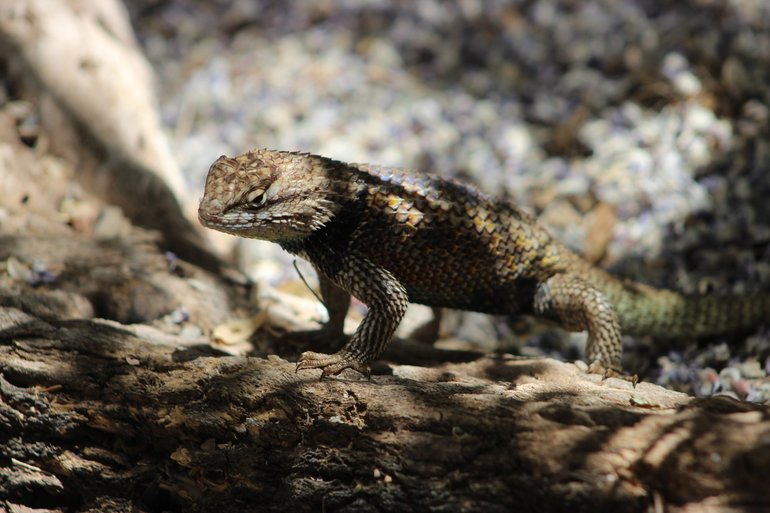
column 636, row 130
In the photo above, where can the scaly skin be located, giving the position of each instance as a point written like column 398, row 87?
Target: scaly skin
column 388, row 238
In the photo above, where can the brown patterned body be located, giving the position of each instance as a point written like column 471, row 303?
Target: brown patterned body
column 448, row 244
column 389, row 237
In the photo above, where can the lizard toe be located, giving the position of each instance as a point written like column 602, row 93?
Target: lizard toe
column 331, row 364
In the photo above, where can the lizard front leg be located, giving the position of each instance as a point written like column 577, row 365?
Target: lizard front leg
column 578, row 306
column 386, row 300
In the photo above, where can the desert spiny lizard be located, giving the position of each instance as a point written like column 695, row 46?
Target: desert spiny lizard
column 389, row 237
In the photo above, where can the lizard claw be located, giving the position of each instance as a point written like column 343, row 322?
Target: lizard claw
column 331, row 364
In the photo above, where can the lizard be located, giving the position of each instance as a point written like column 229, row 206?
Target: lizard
column 389, row 237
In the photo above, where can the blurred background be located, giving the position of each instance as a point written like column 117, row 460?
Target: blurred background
column 655, row 109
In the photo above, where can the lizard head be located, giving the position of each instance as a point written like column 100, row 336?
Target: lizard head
column 265, row 194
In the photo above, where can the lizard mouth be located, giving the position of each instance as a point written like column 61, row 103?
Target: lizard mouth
column 207, row 218
column 218, row 220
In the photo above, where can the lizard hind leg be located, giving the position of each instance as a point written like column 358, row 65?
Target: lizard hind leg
column 578, row 306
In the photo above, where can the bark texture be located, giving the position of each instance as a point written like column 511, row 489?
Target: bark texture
column 100, row 416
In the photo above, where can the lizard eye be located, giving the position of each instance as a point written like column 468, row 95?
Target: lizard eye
column 256, row 198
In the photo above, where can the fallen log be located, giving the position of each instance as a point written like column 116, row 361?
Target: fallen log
column 99, row 416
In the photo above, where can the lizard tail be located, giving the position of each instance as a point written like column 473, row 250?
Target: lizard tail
column 642, row 309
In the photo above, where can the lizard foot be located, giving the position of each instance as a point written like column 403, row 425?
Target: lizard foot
column 610, row 372
column 331, row 364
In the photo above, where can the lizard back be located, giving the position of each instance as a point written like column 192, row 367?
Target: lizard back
column 447, row 242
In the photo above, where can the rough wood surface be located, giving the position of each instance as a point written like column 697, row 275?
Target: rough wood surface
column 85, row 56
column 113, row 417
column 93, row 89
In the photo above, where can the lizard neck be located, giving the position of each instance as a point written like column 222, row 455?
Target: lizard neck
column 326, row 246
